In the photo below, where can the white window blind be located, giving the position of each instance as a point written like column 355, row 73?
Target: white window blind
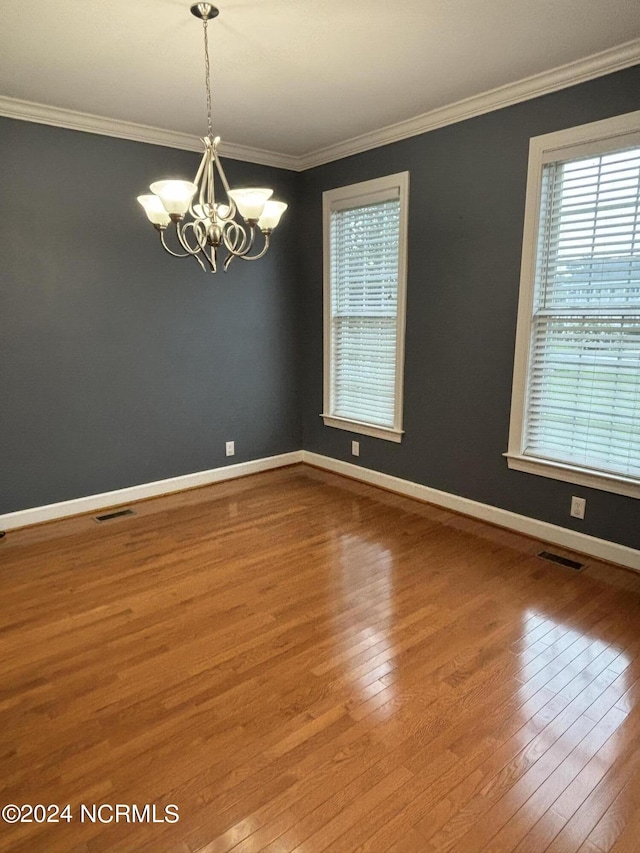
column 364, row 306
column 583, row 389
column 365, row 283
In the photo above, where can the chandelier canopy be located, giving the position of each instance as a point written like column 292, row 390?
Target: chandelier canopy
column 203, row 211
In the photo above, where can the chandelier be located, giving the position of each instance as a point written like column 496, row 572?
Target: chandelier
column 203, row 211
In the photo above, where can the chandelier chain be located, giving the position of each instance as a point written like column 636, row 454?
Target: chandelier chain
column 207, row 69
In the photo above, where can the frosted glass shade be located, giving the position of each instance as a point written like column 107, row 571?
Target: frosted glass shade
column 250, row 202
column 154, row 209
column 223, row 211
column 175, row 195
column 200, row 213
column 271, row 214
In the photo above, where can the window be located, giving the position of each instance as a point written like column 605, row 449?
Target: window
column 576, row 396
column 365, row 246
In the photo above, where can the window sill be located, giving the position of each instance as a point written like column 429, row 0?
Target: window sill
column 570, row 474
column 386, row 433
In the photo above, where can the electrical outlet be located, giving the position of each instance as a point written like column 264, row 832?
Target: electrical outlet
column 231, row 448
column 355, row 448
column 578, row 507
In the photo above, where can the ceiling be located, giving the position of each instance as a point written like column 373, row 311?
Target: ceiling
column 293, row 76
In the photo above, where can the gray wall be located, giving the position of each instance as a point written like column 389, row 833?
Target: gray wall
column 118, row 364
column 467, row 193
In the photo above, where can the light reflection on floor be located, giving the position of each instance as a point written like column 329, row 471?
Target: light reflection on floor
column 573, row 656
column 365, row 563
column 570, row 684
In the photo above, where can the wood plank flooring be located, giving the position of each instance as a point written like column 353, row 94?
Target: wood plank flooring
column 302, row 663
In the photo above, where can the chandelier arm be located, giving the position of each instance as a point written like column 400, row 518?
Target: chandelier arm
column 261, row 254
column 223, row 177
column 245, row 257
column 210, row 190
column 204, row 269
column 198, row 177
column 177, row 255
column 243, row 251
column 212, row 266
column 203, row 161
column 234, row 237
column 225, row 184
column 183, row 240
column 200, row 233
column 238, row 247
column 212, row 258
column 202, row 194
column 170, row 251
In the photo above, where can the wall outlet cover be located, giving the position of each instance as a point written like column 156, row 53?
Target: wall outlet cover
column 578, row 507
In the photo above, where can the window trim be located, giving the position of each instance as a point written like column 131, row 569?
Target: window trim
column 591, row 138
column 365, row 192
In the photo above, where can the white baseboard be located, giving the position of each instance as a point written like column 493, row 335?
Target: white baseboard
column 93, row 503
column 572, row 540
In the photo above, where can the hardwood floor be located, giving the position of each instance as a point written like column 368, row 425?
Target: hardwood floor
column 303, row 663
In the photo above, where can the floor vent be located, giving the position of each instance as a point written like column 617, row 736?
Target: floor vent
column 563, row 561
column 109, row 516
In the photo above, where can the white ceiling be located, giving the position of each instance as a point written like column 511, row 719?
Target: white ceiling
column 292, row 76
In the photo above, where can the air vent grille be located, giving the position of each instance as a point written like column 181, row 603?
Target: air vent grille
column 109, row 516
column 562, row 561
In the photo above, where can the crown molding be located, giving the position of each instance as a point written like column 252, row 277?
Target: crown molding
column 257, row 155
column 89, row 123
column 596, row 65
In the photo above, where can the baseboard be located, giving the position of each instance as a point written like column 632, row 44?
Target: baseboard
column 92, row 503
column 572, row 540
